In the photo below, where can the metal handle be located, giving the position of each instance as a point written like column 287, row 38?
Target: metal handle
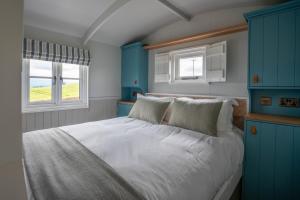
column 255, row 78
column 54, row 80
column 61, row 78
column 253, row 130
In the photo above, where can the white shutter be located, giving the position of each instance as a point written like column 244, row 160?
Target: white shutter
column 216, row 62
column 162, row 68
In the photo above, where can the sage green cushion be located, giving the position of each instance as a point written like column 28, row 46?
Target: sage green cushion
column 196, row 116
column 150, row 110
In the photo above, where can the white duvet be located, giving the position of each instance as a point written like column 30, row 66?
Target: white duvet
column 163, row 162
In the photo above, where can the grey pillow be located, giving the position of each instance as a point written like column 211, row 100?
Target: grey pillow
column 149, row 110
column 196, row 116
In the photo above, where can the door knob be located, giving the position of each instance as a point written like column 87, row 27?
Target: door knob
column 253, row 130
column 255, row 78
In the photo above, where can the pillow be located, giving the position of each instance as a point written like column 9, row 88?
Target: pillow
column 197, row 116
column 225, row 118
column 165, row 99
column 149, row 110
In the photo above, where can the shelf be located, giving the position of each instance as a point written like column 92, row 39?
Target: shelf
column 274, row 118
column 126, row 102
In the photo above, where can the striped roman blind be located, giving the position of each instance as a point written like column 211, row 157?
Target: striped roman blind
column 41, row 50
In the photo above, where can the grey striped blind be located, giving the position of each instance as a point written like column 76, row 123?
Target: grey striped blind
column 41, row 50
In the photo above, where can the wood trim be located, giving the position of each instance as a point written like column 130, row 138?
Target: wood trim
column 239, row 112
column 126, row 102
column 273, row 119
column 201, row 36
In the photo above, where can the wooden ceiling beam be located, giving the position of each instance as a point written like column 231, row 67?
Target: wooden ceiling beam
column 102, row 19
column 175, row 10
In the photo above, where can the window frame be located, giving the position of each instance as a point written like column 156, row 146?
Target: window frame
column 186, row 53
column 56, row 102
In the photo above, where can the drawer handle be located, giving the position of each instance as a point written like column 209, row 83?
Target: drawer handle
column 135, row 82
column 255, row 78
column 253, row 130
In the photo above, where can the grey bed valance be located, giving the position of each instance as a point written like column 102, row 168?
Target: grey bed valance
column 41, row 50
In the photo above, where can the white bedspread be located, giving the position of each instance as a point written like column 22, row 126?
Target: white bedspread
column 163, row 162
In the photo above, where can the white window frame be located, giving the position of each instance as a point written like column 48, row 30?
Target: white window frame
column 56, row 102
column 185, row 53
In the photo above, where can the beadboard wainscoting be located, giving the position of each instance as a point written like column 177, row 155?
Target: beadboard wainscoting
column 99, row 109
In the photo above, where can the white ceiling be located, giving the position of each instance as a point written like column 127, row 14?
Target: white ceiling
column 134, row 20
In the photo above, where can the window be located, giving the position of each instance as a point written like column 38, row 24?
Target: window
column 189, row 65
column 200, row 64
column 53, row 86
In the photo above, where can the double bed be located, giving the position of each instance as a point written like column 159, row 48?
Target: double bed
column 157, row 161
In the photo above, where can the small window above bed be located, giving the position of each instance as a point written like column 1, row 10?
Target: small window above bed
column 199, row 64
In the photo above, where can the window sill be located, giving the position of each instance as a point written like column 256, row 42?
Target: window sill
column 35, row 109
column 189, row 81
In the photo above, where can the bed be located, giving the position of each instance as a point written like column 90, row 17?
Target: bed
column 159, row 161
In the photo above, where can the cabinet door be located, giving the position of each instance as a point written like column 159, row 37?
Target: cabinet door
column 297, row 48
column 283, row 162
column 286, row 48
column 251, row 184
column 270, row 49
column 130, row 66
column 256, row 51
column 266, row 163
column 296, row 164
column 123, row 109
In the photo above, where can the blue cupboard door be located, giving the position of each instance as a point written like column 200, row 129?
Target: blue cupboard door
column 124, row 109
column 270, row 44
column 251, row 169
column 130, row 66
column 283, row 162
column 256, row 51
column 297, row 48
column 286, row 48
column 266, row 163
column 296, row 164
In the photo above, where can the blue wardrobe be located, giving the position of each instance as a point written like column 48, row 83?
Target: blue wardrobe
column 272, row 135
column 134, row 75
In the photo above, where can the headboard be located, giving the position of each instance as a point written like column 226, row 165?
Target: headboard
column 239, row 111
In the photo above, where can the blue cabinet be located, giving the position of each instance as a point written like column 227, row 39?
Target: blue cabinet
column 135, row 66
column 272, row 161
column 124, row 109
column 297, row 50
column 274, row 46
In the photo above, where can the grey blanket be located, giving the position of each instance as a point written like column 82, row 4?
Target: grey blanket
column 61, row 168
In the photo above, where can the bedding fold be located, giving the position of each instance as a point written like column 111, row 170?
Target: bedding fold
column 59, row 167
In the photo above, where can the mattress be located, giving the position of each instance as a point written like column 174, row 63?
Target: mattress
column 165, row 162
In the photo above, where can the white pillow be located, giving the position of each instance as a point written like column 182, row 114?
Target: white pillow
column 164, row 99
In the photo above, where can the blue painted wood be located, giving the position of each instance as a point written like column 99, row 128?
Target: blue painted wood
column 273, row 9
column 283, row 162
column 135, row 66
column 286, row 48
column 123, row 109
column 256, row 51
column 296, row 164
column 251, row 168
column 266, row 163
column 270, row 47
column 275, row 108
column 130, row 63
column 297, row 50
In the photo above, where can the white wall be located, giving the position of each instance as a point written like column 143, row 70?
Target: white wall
column 237, row 52
column 11, row 34
column 104, row 83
